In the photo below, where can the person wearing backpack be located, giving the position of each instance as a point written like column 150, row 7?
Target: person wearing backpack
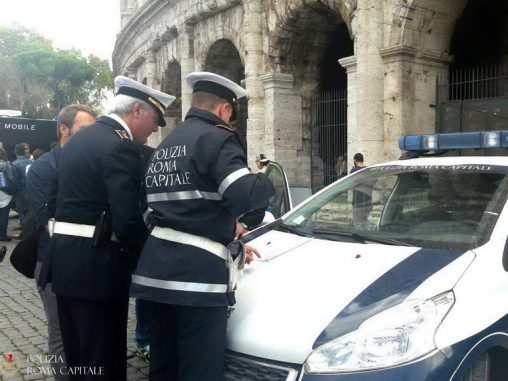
column 19, row 165
column 7, row 190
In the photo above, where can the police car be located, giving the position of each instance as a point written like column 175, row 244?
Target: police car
column 396, row 272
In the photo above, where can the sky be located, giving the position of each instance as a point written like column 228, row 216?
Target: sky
column 87, row 25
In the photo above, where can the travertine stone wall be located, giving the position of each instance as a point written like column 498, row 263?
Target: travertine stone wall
column 399, row 48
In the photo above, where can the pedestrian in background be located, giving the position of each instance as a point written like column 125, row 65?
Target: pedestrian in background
column 198, row 184
column 22, row 151
column 262, row 163
column 42, row 187
column 38, row 152
column 99, row 230
column 6, row 192
column 362, row 198
column 341, row 167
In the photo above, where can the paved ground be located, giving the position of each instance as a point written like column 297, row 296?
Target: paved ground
column 23, row 330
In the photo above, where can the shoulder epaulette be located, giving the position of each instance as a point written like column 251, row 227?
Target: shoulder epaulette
column 123, row 134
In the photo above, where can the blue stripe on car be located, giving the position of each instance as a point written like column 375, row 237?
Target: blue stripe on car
column 388, row 290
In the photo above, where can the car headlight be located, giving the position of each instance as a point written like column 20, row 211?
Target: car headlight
column 398, row 335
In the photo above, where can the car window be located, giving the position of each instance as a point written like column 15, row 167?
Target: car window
column 428, row 207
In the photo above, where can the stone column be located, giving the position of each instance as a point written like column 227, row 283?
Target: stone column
column 153, row 81
column 365, row 134
column 410, row 93
column 253, row 40
column 187, row 65
column 283, row 127
column 151, row 72
column 349, row 63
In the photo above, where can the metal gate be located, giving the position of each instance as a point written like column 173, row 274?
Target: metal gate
column 328, row 136
column 473, row 99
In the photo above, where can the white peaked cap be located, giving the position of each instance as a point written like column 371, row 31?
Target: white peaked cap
column 155, row 98
column 215, row 84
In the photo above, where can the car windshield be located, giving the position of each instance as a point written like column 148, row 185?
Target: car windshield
column 423, row 206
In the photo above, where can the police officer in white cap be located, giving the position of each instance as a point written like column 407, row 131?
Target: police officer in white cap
column 198, row 184
column 99, row 230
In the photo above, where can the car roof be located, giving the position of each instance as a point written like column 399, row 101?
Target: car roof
column 450, row 160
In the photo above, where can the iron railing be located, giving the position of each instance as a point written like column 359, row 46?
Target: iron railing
column 481, row 82
column 473, row 99
column 328, row 136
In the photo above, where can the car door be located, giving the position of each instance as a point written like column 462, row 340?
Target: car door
column 280, row 203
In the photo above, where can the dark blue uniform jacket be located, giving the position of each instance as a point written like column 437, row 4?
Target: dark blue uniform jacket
column 100, row 170
column 197, row 182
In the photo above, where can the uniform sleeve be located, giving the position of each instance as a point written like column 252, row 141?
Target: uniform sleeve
column 254, row 218
column 39, row 181
column 241, row 190
column 122, row 176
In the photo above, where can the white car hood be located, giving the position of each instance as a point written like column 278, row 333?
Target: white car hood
column 287, row 299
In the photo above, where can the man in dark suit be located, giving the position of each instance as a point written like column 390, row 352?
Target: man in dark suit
column 42, row 187
column 99, row 230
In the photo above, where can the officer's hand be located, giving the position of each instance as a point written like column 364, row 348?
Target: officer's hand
column 250, row 252
column 240, row 230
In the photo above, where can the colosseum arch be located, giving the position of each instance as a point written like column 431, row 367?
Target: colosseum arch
column 311, row 39
column 223, row 26
column 224, row 59
column 425, row 24
column 170, row 83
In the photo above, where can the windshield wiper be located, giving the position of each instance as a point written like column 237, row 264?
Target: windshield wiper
column 293, row 229
column 385, row 240
column 329, row 234
column 362, row 238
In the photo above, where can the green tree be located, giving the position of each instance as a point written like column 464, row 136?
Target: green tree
column 64, row 72
column 102, row 80
column 40, row 80
column 17, row 39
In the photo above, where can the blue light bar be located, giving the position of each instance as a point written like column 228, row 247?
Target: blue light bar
column 459, row 140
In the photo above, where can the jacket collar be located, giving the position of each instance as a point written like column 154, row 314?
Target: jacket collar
column 205, row 115
column 114, row 123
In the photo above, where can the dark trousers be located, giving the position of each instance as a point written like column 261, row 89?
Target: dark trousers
column 142, row 332
column 4, row 221
column 94, row 334
column 187, row 343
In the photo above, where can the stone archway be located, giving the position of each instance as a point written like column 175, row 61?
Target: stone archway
column 224, row 59
column 171, row 83
column 425, row 25
column 310, row 42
